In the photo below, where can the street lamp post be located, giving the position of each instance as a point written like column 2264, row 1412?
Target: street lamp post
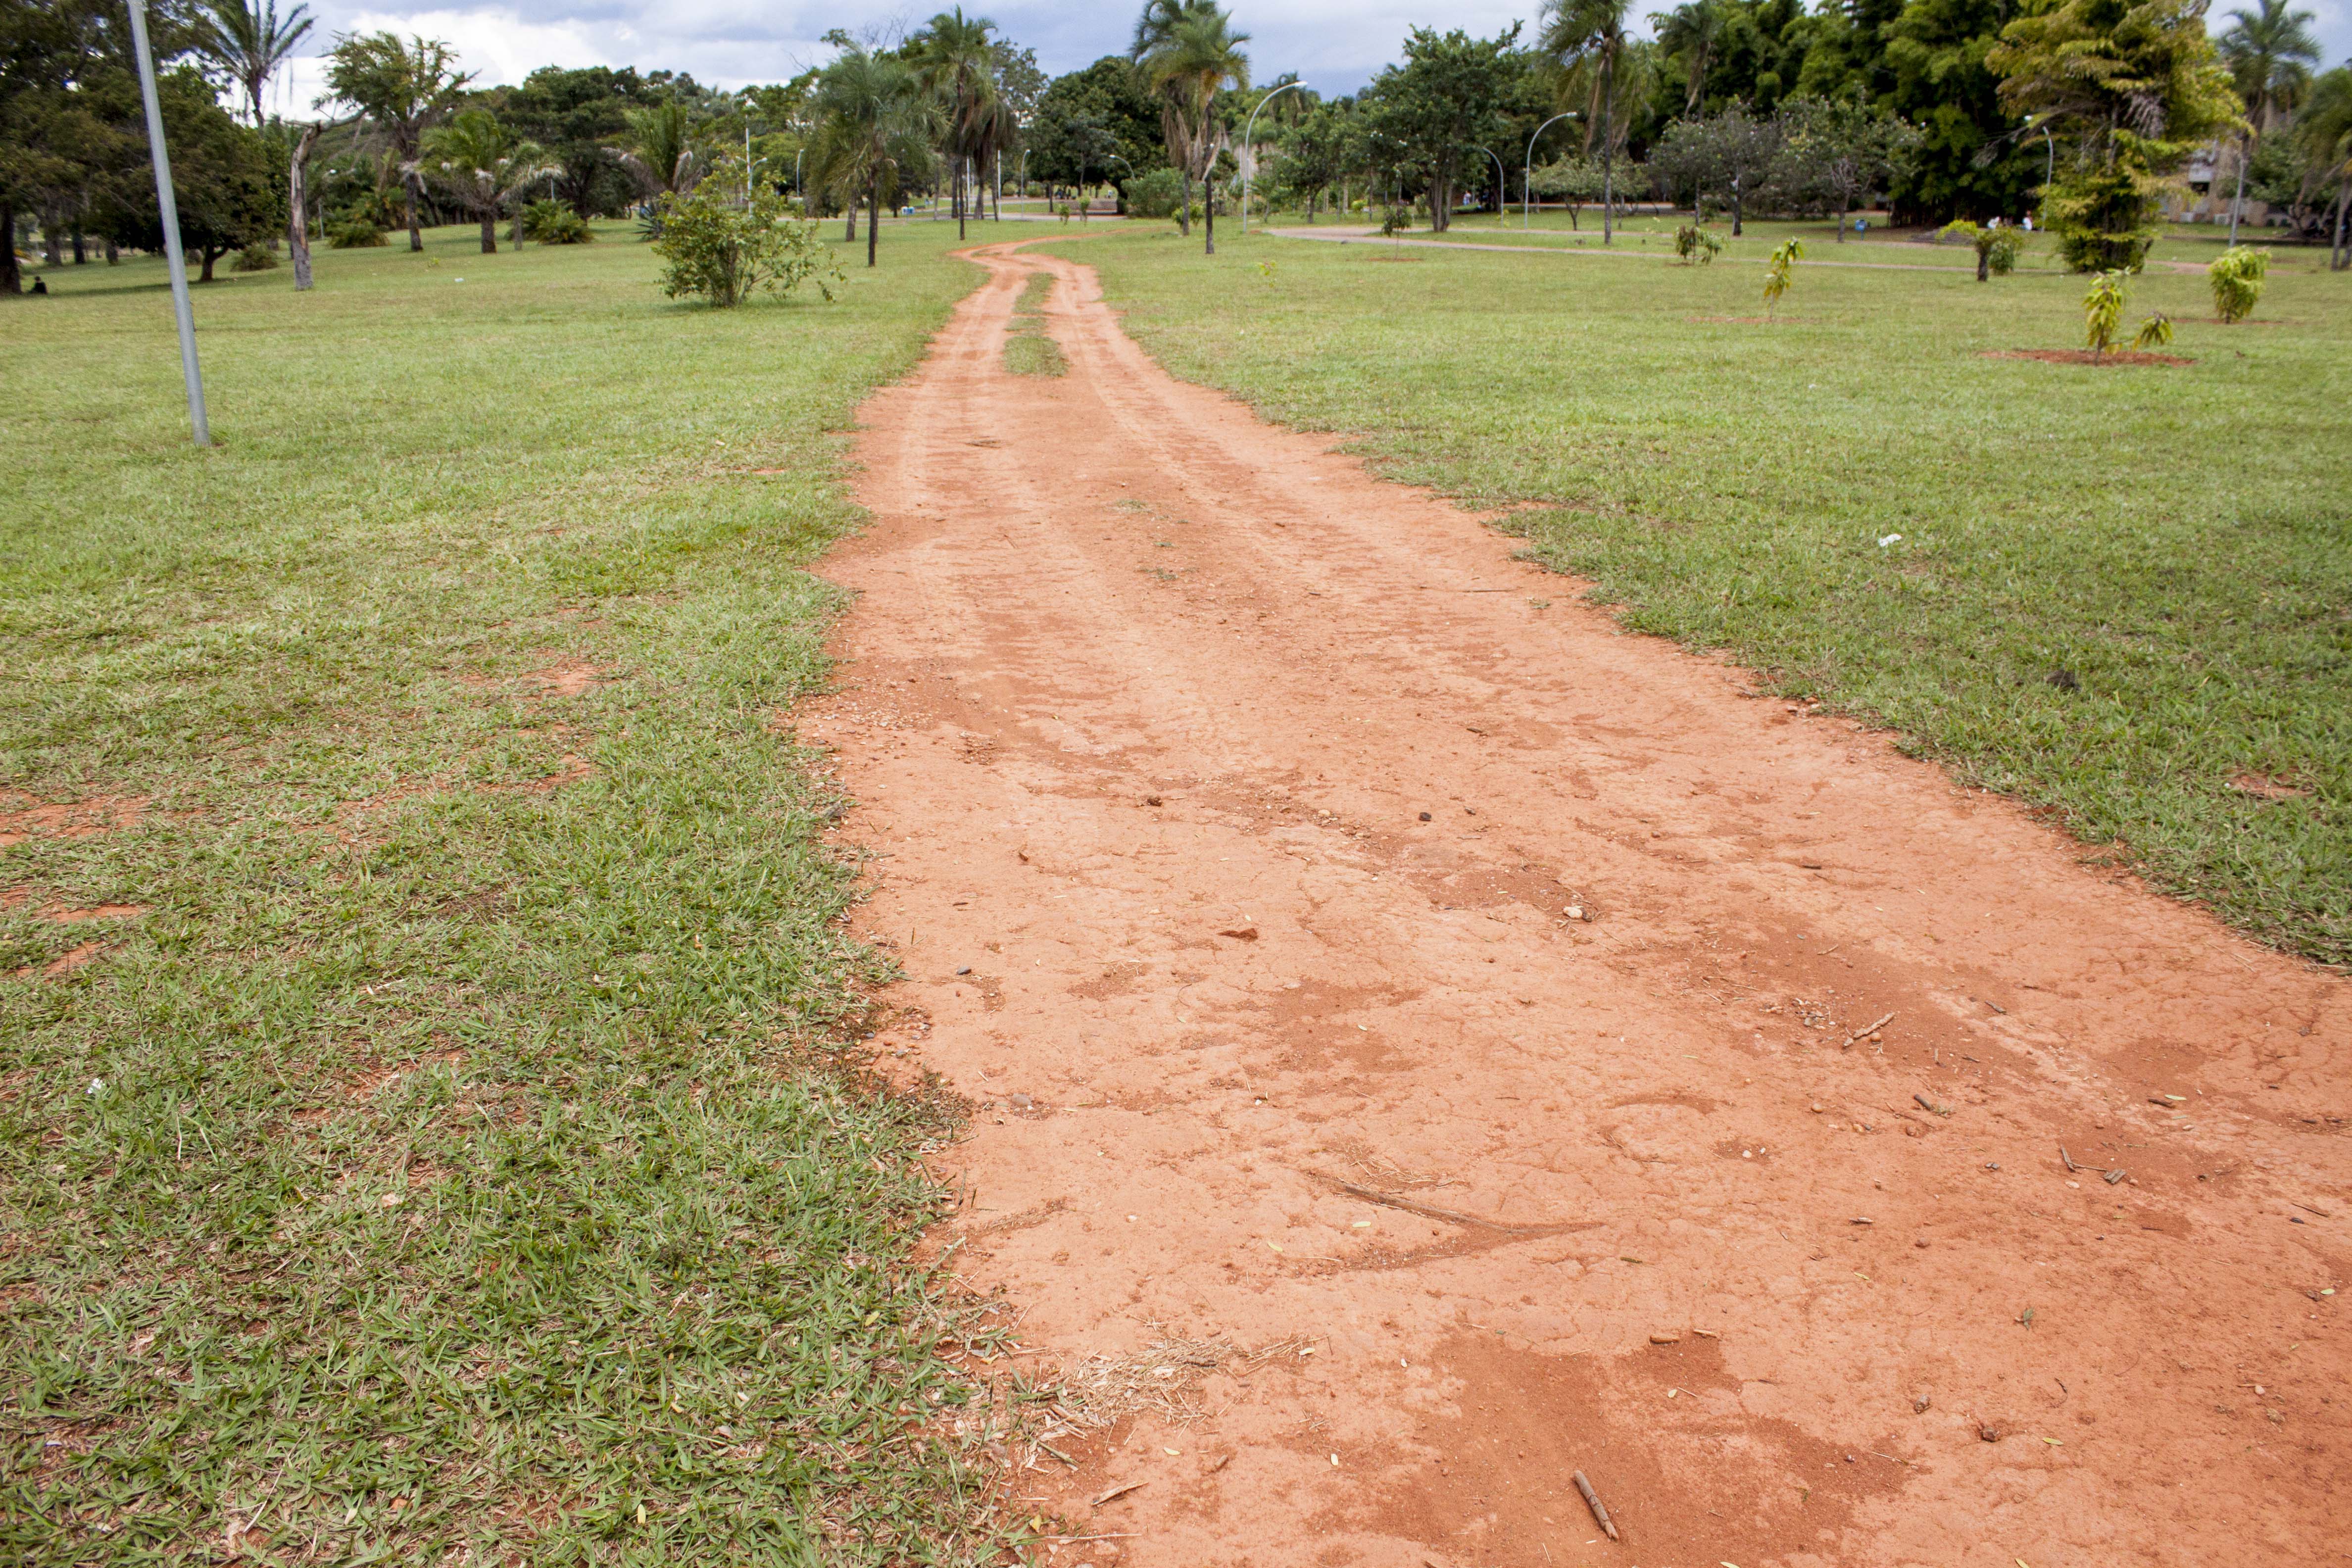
column 1498, row 182
column 1247, row 145
column 169, row 209
column 1527, row 175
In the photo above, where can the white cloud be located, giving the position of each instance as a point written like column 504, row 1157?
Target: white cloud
column 1335, row 45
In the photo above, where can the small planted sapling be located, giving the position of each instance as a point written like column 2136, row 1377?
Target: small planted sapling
column 1996, row 248
column 2237, row 276
column 2154, row 333
column 1696, row 246
column 1778, row 270
column 2103, row 312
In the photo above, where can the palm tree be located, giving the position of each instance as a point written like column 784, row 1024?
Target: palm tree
column 876, row 125
column 659, row 146
column 955, row 60
column 2270, row 52
column 1189, row 53
column 2324, row 129
column 245, row 42
column 1689, row 34
column 405, row 89
column 483, row 165
column 1587, row 38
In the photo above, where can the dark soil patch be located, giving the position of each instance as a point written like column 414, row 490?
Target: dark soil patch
column 2086, row 356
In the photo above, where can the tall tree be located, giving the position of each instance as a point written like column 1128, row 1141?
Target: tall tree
column 1586, row 39
column 1108, row 96
column 1724, row 155
column 1189, row 53
column 1972, row 160
column 1443, row 104
column 1689, row 35
column 955, row 58
column 224, row 178
column 876, row 127
column 2324, row 130
column 661, row 146
column 483, row 165
column 246, row 41
column 1840, row 154
column 2270, row 52
column 2133, row 86
column 405, row 89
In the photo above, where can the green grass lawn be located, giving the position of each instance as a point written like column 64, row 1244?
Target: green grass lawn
column 452, row 1140
column 2123, row 595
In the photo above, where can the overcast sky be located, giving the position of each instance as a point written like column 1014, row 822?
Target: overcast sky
column 1335, row 44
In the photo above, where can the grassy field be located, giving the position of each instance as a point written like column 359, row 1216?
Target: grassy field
column 432, row 1125
column 2123, row 595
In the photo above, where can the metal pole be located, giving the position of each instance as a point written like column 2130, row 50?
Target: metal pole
column 1498, row 185
column 169, row 210
column 1526, row 176
column 1247, row 127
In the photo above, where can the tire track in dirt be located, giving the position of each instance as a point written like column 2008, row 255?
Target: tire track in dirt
column 1144, row 702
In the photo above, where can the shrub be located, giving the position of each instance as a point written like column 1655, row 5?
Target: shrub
column 2103, row 218
column 2102, row 311
column 1695, row 245
column 354, row 234
column 2237, row 279
column 1155, row 193
column 253, row 258
column 724, row 253
column 549, row 221
column 2154, row 333
column 1995, row 248
column 1779, row 270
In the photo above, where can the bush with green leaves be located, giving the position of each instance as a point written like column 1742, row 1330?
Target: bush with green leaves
column 354, row 234
column 259, row 257
column 2237, row 276
column 724, row 249
column 1696, row 246
column 549, row 221
column 2102, row 311
column 2154, row 333
column 1781, row 270
column 1997, row 245
column 1155, row 193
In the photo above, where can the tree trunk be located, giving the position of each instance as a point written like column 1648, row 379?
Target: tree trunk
column 956, row 200
column 51, row 254
column 873, row 215
column 2339, row 260
column 1209, row 210
column 112, row 254
column 1441, row 204
column 1984, row 264
column 489, row 231
column 1608, row 143
column 850, row 225
column 1737, row 207
column 11, row 280
column 416, row 235
column 298, row 206
column 210, row 256
column 81, row 252
column 1184, row 212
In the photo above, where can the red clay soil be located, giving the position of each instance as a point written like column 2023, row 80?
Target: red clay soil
column 1228, row 804
column 2086, row 356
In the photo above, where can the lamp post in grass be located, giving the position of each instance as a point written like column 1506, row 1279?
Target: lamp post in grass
column 1249, row 146
column 1526, row 179
column 1499, row 184
column 169, row 210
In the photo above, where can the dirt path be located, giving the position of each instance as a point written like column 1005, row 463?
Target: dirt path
column 1228, row 805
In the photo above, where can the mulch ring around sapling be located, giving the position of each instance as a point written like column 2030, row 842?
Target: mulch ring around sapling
column 2086, row 356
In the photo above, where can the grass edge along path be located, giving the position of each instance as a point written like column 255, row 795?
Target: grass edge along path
column 433, row 1120
column 2123, row 600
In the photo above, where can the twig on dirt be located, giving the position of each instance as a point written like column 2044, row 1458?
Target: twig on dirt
column 1593, row 1501
column 2071, row 1166
column 1428, row 1211
column 1117, row 1491
column 1057, row 1453
column 1869, row 1029
column 2308, row 1209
